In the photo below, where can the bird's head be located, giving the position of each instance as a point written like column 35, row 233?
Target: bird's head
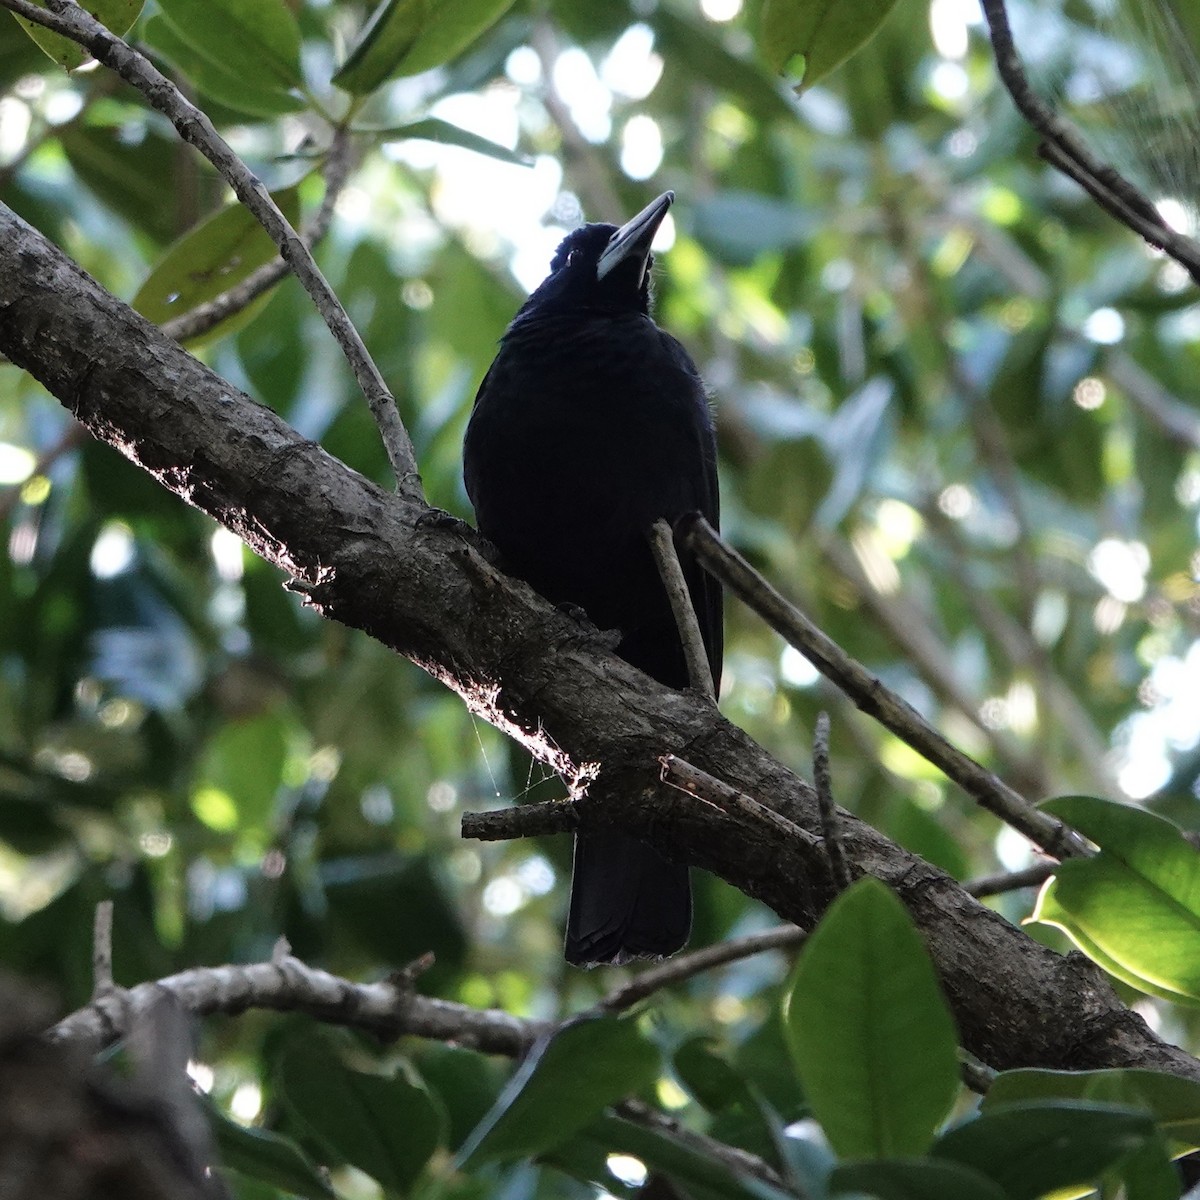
column 602, row 266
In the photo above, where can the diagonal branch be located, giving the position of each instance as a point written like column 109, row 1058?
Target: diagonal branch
column 1064, row 149
column 367, row 559
column 874, row 698
column 67, row 18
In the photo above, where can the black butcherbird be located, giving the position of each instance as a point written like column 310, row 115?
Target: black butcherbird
column 590, row 425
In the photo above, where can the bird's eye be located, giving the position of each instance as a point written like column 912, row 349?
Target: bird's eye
column 573, row 257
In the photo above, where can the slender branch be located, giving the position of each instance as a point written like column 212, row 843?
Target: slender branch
column 910, row 631
column 206, row 316
column 662, row 543
column 287, row 985
column 686, row 966
column 830, row 829
column 682, row 775
column 1064, row 149
column 521, row 821
column 67, row 18
column 102, row 971
column 716, row 556
column 1010, row 881
column 976, row 1074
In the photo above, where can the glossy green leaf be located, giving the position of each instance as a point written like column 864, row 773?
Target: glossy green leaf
column 263, row 1155
column 130, row 177
column 1135, row 906
column 916, row 1179
column 564, row 1083
column 210, row 259
column 405, row 37
column 243, row 762
column 387, row 1127
column 823, row 32
column 1030, row 1149
column 434, row 129
column 1172, row 1101
column 254, row 39
column 702, row 1176
column 116, row 15
column 869, row 1030
column 212, row 79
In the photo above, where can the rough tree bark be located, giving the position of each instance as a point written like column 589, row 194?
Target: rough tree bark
column 375, row 562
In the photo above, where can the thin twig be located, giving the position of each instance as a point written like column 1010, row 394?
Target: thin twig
column 102, row 968
column 685, row 966
column 1010, row 881
column 521, row 821
column 869, row 694
column 690, row 779
column 976, row 1074
column 909, row 629
column 662, row 543
column 830, row 827
column 206, row 316
column 1064, row 149
column 67, row 18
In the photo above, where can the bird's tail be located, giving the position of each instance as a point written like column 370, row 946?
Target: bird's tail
column 627, row 901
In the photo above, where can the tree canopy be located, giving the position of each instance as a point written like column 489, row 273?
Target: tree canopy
column 250, row 686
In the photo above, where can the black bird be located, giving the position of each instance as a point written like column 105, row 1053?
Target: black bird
column 590, row 425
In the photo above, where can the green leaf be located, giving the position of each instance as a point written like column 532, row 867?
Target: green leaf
column 1173, row 1102
column 917, row 1179
column 585, row 1155
column 823, row 32
column 869, row 1030
column 242, row 762
column 116, row 15
column 434, row 129
column 253, row 39
column 405, row 37
column 267, row 1156
column 131, row 178
column 212, row 79
column 566, row 1081
column 388, row 1128
column 1031, row 1149
column 1135, row 907
column 210, row 259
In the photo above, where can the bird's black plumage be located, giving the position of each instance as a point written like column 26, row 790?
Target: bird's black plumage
column 590, row 425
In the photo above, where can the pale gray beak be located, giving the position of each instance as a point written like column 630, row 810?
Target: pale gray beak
column 632, row 240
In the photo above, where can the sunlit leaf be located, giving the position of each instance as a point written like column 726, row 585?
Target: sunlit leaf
column 115, row 15
column 405, row 37
column 870, row 1033
column 824, row 33
column 434, row 129
column 1135, row 906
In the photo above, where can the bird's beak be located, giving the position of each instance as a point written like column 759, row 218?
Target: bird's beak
column 632, row 240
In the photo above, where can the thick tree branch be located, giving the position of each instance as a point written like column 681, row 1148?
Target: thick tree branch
column 285, row 984
column 67, row 18
column 367, row 559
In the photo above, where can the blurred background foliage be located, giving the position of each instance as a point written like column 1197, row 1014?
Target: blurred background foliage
column 957, row 413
